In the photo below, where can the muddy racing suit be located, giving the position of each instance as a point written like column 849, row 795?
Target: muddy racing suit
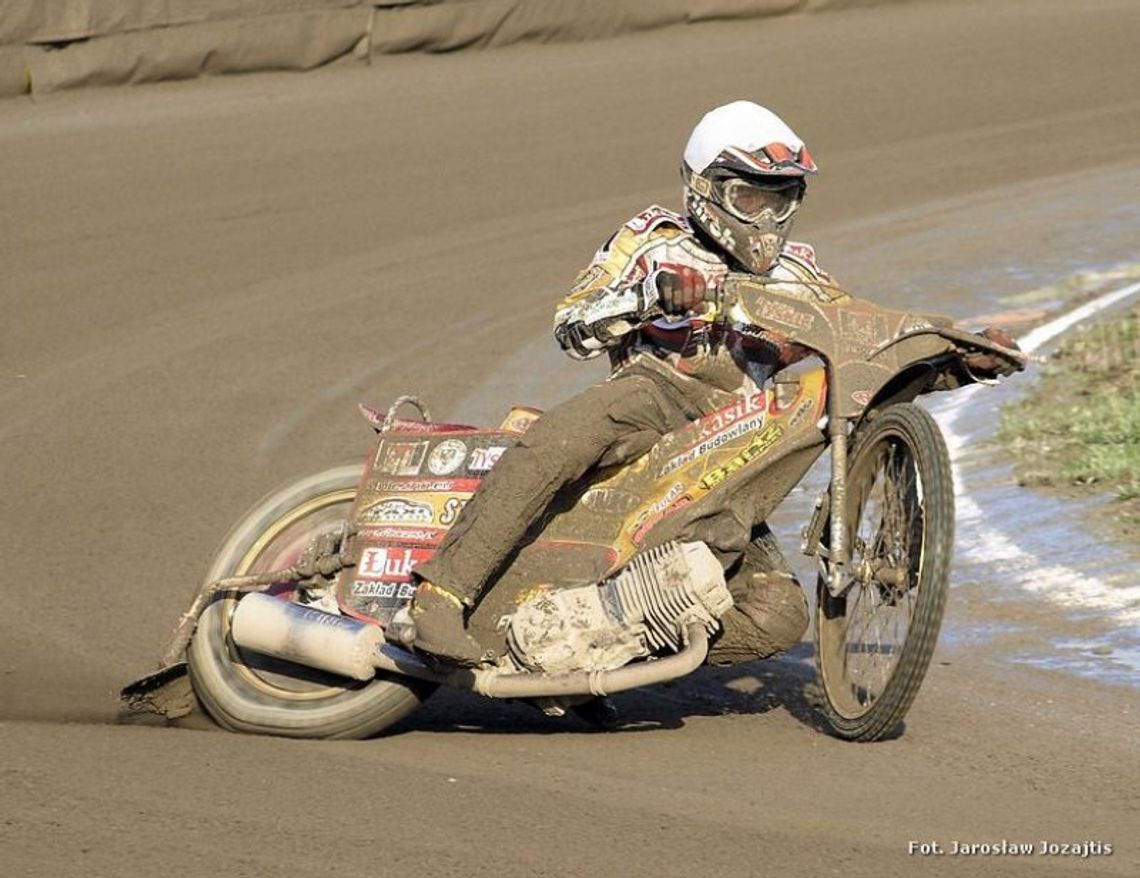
column 666, row 372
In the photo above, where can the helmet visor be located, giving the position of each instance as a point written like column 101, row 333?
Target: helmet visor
column 748, row 199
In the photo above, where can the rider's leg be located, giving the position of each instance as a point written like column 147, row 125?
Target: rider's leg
column 770, row 612
column 611, row 423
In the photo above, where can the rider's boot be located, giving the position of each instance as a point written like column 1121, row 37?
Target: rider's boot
column 598, row 713
column 440, row 626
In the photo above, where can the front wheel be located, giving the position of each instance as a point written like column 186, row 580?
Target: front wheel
column 250, row 692
column 875, row 640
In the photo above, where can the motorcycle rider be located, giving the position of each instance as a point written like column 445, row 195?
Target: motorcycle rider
column 642, row 300
column 647, row 299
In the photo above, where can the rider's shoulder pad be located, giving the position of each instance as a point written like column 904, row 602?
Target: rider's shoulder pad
column 651, row 228
column 655, row 216
column 799, row 258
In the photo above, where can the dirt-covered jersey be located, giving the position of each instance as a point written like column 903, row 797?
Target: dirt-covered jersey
column 613, row 305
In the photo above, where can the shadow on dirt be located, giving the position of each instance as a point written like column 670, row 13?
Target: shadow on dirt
column 788, row 682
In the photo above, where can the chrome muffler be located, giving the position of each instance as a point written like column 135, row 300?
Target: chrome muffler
column 307, row 636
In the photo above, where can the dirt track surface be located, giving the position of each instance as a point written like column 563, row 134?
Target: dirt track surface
column 201, row 280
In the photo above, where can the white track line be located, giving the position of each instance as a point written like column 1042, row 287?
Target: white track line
column 1056, row 583
column 1033, row 340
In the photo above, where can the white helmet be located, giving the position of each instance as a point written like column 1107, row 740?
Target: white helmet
column 744, row 172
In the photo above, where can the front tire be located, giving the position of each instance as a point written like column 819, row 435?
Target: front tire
column 249, row 692
column 874, row 641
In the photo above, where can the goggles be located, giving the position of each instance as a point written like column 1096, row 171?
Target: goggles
column 748, row 200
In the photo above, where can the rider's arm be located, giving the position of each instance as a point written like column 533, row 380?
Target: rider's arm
column 587, row 325
column 649, row 268
column 610, row 298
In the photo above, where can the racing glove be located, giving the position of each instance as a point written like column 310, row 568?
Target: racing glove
column 681, row 289
column 992, row 365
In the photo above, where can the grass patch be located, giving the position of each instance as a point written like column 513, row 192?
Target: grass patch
column 1081, row 425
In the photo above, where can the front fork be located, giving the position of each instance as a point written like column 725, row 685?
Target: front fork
column 832, row 504
column 839, row 551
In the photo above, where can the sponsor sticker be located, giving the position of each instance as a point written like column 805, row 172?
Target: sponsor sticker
column 785, row 314
column 482, row 459
column 803, row 252
column 610, row 501
column 800, row 413
column 588, row 278
column 860, row 332
column 447, row 457
column 650, row 217
column 713, row 442
column 719, row 420
column 397, row 510
column 400, row 458
column 451, row 509
column 402, row 534
column 425, row 486
column 362, row 588
column 519, row 420
column 389, row 563
column 652, row 517
column 675, row 463
column 768, row 437
column 620, row 304
column 675, row 491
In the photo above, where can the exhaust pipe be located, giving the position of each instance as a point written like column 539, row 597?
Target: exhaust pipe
column 351, row 648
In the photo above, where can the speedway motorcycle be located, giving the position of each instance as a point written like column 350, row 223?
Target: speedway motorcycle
column 300, row 626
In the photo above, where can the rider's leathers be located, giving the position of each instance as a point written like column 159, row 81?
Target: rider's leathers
column 666, row 373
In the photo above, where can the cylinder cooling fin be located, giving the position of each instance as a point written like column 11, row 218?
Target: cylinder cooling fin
column 642, row 611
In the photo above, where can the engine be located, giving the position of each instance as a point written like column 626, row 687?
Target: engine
column 642, row 611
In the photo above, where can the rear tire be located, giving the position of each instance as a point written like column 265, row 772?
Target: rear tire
column 900, row 515
column 249, row 692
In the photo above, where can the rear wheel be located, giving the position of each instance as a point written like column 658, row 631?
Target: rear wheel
column 249, row 692
column 875, row 639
